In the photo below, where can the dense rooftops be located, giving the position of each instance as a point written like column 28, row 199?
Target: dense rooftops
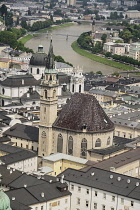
column 105, row 180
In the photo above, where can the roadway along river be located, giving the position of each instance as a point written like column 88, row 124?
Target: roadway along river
column 62, row 46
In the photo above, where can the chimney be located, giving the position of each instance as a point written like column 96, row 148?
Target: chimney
column 42, row 194
column 62, row 179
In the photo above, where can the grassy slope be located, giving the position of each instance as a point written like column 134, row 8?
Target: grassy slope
column 99, row 59
column 26, row 38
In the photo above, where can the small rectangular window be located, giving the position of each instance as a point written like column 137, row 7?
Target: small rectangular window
column 122, row 201
column 87, row 203
column 87, row 191
column 66, row 200
column 104, row 195
column 132, row 203
column 78, row 201
column 113, row 198
column 103, row 207
column 95, row 193
column 95, row 205
column 58, row 203
column 79, row 189
column 72, row 187
column 41, row 207
column 112, row 208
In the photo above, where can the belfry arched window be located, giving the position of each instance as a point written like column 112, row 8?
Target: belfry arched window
column 60, row 143
column 46, row 95
column 108, row 141
column 79, row 88
column 70, row 146
column 73, row 88
column 84, row 148
column 98, row 143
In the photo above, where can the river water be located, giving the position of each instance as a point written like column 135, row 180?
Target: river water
column 62, row 46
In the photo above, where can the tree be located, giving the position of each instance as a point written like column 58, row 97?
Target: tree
column 3, row 10
column 108, row 54
column 8, row 37
column 103, row 38
column 24, row 24
column 126, row 35
column 99, row 72
column 9, row 19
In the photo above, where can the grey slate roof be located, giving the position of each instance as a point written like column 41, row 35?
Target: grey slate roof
column 17, row 157
column 25, row 179
column 119, row 160
column 8, row 177
column 20, row 81
column 9, row 149
column 27, row 132
column 101, row 180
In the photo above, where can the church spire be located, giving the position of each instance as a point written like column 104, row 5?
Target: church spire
column 50, row 65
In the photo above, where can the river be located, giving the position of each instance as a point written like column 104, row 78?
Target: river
column 62, row 46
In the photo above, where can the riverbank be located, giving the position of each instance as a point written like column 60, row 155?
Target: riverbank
column 99, row 59
column 30, row 36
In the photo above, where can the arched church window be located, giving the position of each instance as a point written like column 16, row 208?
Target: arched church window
column 73, row 88
column 43, row 135
column 108, row 141
column 45, row 93
column 3, row 91
column 79, row 88
column 37, row 70
column 70, row 146
column 98, row 143
column 84, row 148
column 60, row 143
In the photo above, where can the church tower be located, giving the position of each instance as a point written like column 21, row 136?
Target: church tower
column 48, row 105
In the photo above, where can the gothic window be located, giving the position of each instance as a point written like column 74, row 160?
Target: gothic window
column 37, row 70
column 43, row 135
column 73, row 88
column 3, row 91
column 98, row 143
column 108, row 141
column 84, row 148
column 45, row 93
column 70, row 146
column 79, row 88
column 60, row 143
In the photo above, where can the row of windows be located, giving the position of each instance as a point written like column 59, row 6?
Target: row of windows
column 37, row 71
column 124, row 134
column 103, row 206
column 73, row 88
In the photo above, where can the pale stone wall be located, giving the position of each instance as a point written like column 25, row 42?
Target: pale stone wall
column 77, row 138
